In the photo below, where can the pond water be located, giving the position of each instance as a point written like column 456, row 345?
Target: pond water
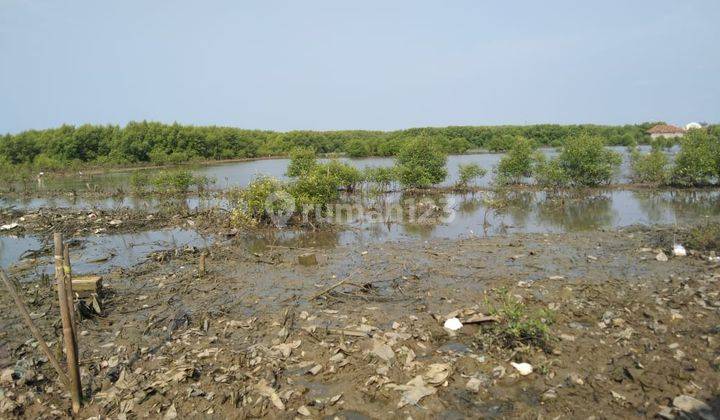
column 239, row 174
column 480, row 214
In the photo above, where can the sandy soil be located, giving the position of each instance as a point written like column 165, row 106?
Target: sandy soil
column 260, row 335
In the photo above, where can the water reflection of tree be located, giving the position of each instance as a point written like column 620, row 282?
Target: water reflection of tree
column 654, row 205
column 517, row 205
column 572, row 213
column 269, row 238
column 469, row 204
column 689, row 206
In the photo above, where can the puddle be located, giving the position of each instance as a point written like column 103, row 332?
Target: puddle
column 109, row 203
column 98, row 254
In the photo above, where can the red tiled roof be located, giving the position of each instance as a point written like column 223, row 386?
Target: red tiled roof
column 665, row 129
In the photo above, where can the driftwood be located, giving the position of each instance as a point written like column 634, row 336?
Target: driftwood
column 334, row 286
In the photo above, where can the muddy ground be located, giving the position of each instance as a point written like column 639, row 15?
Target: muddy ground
column 259, row 335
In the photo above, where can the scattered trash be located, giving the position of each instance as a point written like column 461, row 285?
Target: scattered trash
column 9, row 226
column 171, row 413
column 679, row 250
column 263, row 389
column 452, row 324
column 523, row 368
column 661, row 256
column 473, row 384
column 413, row 391
column 693, row 407
column 382, row 350
column 437, row 373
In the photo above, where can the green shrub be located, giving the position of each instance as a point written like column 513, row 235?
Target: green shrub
column 357, row 148
column 649, row 168
column 346, row 176
column 517, row 325
column 316, row 189
column 548, row 172
column 302, row 161
column 698, row 162
column 500, row 143
column 160, row 157
column 517, row 163
column 383, row 176
column 663, row 142
column 173, row 181
column 253, row 202
column 420, row 163
column 586, row 162
column 139, row 181
column 705, row 237
column 44, row 162
column 468, row 173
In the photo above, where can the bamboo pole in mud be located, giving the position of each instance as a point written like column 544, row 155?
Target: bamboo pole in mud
column 67, row 271
column 33, row 329
column 68, row 331
column 201, row 268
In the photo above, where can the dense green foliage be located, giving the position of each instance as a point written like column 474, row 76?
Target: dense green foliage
column 169, row 182
column 548, row 172
column 302, row 160
column 421, row 163
column 156, row 143
column 517, row 163
column 261, row 194
column 698, row 162
column 583, row 162
column 650, row 168
column 382, row 177
column 586, row 162
column 468, row 173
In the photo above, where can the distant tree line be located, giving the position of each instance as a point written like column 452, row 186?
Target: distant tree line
column 157, row 143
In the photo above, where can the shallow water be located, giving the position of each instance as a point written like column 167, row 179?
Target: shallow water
column 523, row 212
column 101, row 253
column 480, row 214
column 239, row 174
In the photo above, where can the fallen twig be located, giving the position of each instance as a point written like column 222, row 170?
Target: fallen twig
column 334, row 286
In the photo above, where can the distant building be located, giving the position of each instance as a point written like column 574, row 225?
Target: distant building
column 695, row 125
column 665, row 130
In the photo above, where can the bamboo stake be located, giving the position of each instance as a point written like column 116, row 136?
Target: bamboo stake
column 201, row 269
column 68, row 334
column 67, row 270
column 33, row 329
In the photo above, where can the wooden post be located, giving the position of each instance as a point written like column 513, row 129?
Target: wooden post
column 33, row 329
column 68, row 332
column 201, row 268
column 67, row 271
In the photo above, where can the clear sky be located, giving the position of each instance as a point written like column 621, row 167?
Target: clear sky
column 367, row 64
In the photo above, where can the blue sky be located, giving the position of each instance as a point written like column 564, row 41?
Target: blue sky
column 369, row 64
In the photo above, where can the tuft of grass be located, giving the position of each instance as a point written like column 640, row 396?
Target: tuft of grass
column 705, row 237
column 519, row 326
